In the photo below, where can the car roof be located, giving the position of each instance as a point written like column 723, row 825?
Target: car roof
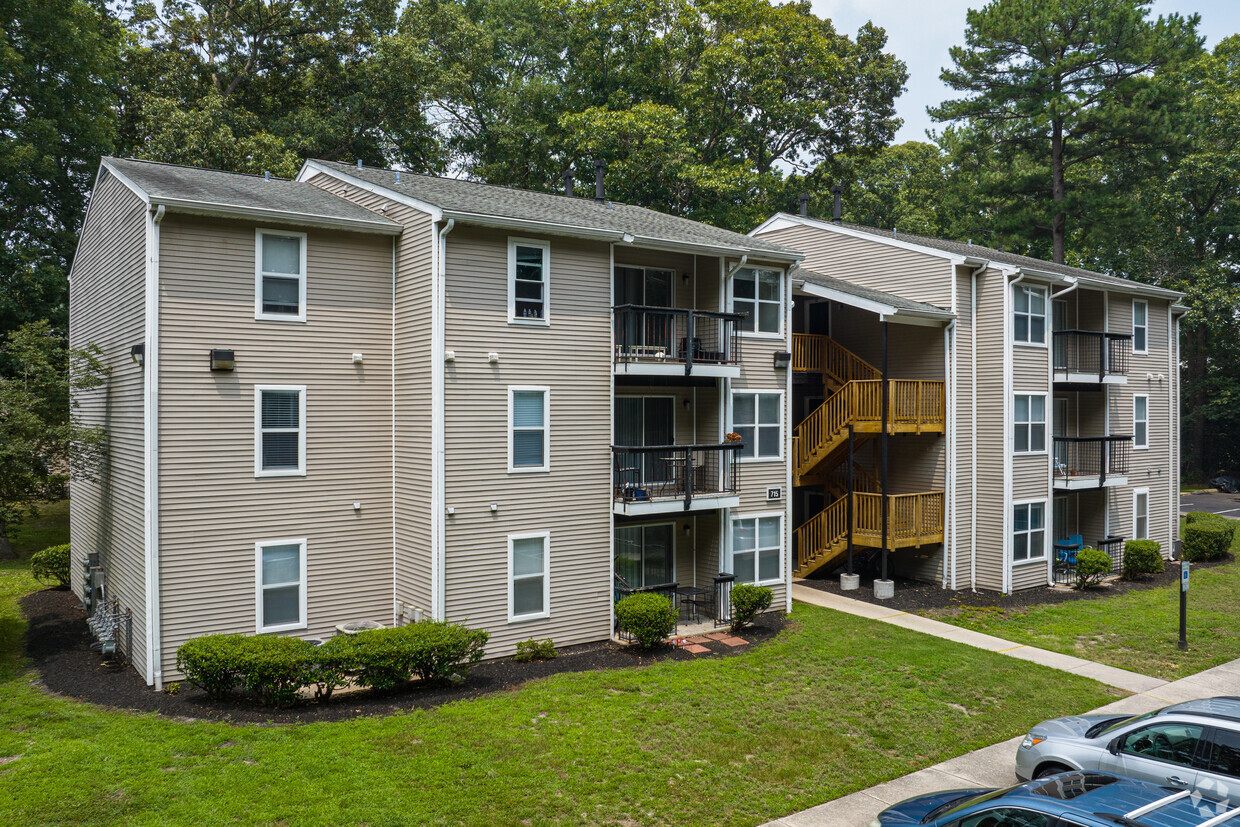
column 1224, row 707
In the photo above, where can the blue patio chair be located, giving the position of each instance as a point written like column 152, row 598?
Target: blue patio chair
column 1065, row 550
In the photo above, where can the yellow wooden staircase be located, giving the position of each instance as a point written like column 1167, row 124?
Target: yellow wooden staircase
column 913, row 520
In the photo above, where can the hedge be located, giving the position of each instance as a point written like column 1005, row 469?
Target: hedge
column 277, row 669
column 647, row 616
column 1142, row 557
column 51, row 564
column 1091, row 566
column 1207, row 536
column 747, row 602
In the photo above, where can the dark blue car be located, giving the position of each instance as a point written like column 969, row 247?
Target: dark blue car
column 1070, row 799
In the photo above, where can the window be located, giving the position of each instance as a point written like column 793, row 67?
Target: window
column 1029, row 436
column 1140, row 421
column 280, row 276
column 1029, row 314
column 528, row 434
column 528, row 266
column 1029, row 531
column 1170, row 742
column 281, row 585
column 1007, row 817
column 1141, row 514
column 756, row 549
column 1224, row 754
column 1140, row 326
column 645, row 555
column 280, row 430
column 757, row 293
column 528, row 579
column 756, row 417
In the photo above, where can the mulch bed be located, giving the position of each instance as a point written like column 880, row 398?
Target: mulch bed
column 917, row 596
column 58, row 646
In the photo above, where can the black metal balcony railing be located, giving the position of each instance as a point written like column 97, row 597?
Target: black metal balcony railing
column 1064, row 568
column 669, row 334
column 1092, row 352
column 1091, row 456
column 661, row 472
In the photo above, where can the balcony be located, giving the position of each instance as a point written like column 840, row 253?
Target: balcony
column 664, row 479
column 1091, row 461
column 669, row 341
column 1085, row 357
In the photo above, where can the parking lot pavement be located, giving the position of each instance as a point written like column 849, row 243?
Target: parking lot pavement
column 1214, row 502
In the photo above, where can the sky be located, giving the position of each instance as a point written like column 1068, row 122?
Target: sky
column 920, row 32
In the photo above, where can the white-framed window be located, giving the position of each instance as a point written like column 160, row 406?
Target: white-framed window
column 758, row 293
column 1029, row 531
column 1140, row 326
column 529, row 430
column 279, row 276
column 1029, row 314
column 279, row 430
column 280, row 585
column 757, row 548
column 1029, row 428
column 757, row 416
column 529, row 576
column 1141, row 514
column 529, row 268
column 1140, row 421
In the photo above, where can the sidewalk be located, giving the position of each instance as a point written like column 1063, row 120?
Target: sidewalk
column 991, row 766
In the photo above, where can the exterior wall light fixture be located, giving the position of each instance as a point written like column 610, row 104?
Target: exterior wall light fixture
column 223, row 360
column 138, row 354
column 782, row 359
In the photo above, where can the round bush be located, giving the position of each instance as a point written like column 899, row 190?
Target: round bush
column 213, row 663
column 276, row 668
column 1091, row 566
column 1207, row 536
column 747, row 603
column 1142, row 557
column 648, row 617
column 386, row 658
column 51, row 565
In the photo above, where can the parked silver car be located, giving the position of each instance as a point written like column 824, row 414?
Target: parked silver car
column 1193, row 745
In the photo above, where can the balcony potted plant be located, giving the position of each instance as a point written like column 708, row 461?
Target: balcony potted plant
column 731, row 437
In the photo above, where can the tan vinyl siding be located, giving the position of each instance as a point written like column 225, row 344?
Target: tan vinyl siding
column 990, row 538
column 573, row 500
column 913, row 351
column 107, row 306
column 1029, row 575
column 962, row 531
column 870, row 263
column 213, row 508
column 1088, row 313
column 414, row 275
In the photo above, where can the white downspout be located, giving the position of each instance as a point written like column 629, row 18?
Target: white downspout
column 438, row 457
column 949, row 334
column 152, row 377
column 973, row 435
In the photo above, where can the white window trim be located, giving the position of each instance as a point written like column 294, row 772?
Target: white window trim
column 1140, row 446
column 1145, row 350
column 732, row 423
column 545, row 536
column 755, row 333
column 546, row 466
column 545, row 246
column 755, row 516
column 1136, row 493
column 1046, row 317
column 302, row 622
column 1047, row 422
column 258, row 279
column 300, row 470
column 1047, row 530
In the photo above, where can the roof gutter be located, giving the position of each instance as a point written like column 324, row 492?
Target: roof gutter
column 890, row 313
column 181, row 205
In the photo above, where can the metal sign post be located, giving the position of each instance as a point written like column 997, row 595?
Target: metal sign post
column 1183, row 604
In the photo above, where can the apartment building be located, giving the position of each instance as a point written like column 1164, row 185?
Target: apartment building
column 368, row 395
column 1025, row 408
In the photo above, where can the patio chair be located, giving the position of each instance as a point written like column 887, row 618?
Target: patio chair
column 1065, row 550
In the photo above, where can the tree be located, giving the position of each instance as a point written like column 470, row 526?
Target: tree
column 901, row 186
column 1056, row 87
column 42, row 439
column 58, row 63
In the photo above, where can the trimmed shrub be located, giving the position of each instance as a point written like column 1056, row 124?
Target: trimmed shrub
column 647, row 616
column 212, row 663
column 51, row 565
column 1142, row 557
column 747, row 603
column 1091, row 566
column 276, row 668
column 1207, row 536
column 528, row 650
column 386, row 658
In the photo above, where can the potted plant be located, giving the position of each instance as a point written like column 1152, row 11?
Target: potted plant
column 732, row 437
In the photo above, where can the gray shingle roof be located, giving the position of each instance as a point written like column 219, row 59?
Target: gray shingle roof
column 870, row 294
column 210, row 190
column 465, row 198
column 1001, row 257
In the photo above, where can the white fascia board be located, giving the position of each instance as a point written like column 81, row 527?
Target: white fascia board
column 785, row 220
column 180, row 205
column 138, row 191
column 888, row 312
column 309, row 169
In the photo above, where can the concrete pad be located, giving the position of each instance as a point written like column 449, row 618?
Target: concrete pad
column 1132, row 705
column 1212, row 682
column 841, row 604
column 992, row 766
column 929, row 780
column 850, row 811
column 947, row 631
column 1045, row 657
column 1121, row 678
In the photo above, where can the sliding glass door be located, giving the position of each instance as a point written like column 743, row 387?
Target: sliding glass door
column 644, row 555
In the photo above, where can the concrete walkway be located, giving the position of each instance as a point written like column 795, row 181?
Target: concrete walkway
column 1120, row 678
column 992, row 766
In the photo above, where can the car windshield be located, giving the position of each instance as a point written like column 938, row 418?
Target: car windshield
column 1107, row 727
column 957, row 805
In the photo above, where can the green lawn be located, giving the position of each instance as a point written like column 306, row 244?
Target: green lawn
column 832, row 705
column 1138, row 630
column 50, row 528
